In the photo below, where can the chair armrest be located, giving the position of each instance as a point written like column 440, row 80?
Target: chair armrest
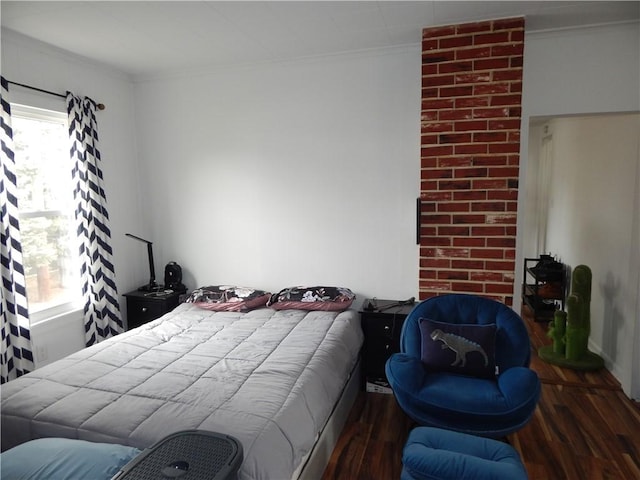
column 519, row 385
column 406, row 371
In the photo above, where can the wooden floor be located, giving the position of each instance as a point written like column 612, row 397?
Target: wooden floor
column 585, row 428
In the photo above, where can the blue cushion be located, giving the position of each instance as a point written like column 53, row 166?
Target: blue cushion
column 64, row 459
column 435, row 454
column 467, row 404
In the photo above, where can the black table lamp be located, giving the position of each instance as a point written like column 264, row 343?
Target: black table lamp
column 152, row 285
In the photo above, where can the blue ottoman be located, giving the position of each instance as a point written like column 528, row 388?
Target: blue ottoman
column 436, row 454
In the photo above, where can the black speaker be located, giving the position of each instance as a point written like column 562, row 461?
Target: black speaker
column 173, row 277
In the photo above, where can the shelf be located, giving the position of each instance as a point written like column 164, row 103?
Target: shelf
column 547, row 276
column 543, row 311
column 543, row 288
column 555, row 293
column 537, row 303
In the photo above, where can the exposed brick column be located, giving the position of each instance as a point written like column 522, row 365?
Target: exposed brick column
column 471, row 97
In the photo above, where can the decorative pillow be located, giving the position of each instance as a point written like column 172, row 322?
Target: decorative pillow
column 466, row 349
column 312, row 298
column 58, row 458
column 227, row 298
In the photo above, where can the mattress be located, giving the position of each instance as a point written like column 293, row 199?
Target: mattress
column 269, row 378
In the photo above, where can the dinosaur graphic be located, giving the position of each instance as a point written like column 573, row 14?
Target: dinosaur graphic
column 460, row 345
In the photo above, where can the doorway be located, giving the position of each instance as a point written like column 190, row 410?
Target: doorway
column 583, row 182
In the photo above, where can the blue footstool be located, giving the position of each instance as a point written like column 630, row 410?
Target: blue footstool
column 436, row 454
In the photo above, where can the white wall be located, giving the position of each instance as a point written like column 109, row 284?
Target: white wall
column 567, row 72
column 583, row 71
column 594, row 220
column 281, row 174
column 33, row 63
column 303, row 172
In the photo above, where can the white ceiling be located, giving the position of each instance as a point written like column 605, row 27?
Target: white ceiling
column 148, row 38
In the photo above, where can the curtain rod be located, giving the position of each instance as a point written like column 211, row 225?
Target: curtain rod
column 100, row 106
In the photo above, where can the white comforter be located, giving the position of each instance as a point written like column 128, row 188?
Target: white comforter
column 269, row 378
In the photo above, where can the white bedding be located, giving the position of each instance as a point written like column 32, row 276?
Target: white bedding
column 269, row 378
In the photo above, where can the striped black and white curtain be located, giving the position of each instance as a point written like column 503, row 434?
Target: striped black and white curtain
column 15, row 349
column 101, row 309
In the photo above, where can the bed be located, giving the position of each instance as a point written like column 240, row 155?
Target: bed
column 279, row 381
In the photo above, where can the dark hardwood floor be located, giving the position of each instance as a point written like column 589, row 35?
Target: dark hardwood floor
column 585, row 427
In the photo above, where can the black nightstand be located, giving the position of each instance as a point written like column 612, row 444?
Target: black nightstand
column 142, row 307
column 382, row 328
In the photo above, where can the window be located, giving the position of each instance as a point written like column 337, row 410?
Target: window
column 45, row 204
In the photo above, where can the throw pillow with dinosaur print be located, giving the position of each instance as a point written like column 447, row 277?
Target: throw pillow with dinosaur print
column 465, row 349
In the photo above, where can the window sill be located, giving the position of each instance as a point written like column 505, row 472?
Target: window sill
column 55, row 314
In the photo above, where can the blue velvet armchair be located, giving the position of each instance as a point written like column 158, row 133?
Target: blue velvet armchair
column 490, row 407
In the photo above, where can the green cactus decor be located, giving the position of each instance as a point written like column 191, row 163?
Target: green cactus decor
column 557, row 331
column 570, row 330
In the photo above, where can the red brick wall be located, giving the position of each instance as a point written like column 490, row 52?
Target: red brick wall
column 471, row 92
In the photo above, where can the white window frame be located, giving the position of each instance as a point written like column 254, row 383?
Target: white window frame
column 75, row 305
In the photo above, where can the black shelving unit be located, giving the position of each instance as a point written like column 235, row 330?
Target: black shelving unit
column 544, row 286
